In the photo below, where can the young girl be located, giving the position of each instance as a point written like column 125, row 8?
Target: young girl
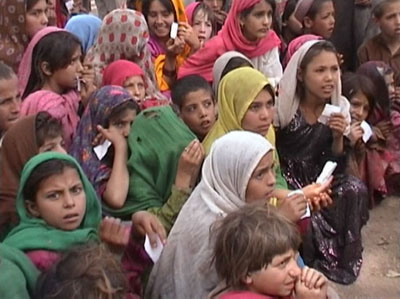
column 201, row 18
column 29, row 136
column 168, row 53
column 35, row 16
column 49, row 75
column 316, row 16
column 255, row 40
column 310, row 81
column 291, row 27
column 109, row 115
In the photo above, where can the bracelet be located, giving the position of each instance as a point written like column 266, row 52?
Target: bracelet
column 169, row 73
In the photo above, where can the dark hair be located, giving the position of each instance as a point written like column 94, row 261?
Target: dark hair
column 353, row 83
column 314, row 50
column 208, row 12
column 315, row 8
column 233, row 64
column 379, row 9
column 119, row 110
column 248, row 239
column 186, row 85
column 289, row 9
column 29, row 4
column 46, row 127
column 6, row 72
column 85, row 272
column 168, row 5
column 57, row 49
column 42, row 172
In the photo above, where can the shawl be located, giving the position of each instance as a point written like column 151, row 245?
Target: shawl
column 156, row 141
column 288, row 102
column 225, row 176
column 229, row 38
column 18, row 274
column 221, row 63
column 63, row 107
column 123, row 35
column 19, row 145
column 13, row 37
column 295, row 44
column 85, row 27
column 118, row 71
column 33, row 233
column 97, row 112
column 189, row 10
column 237, row 90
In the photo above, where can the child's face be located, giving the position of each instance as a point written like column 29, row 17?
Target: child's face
column 256, row 25
column 55, row 144
column 278, row 278
column 10, row 103
column 136, row 87
column 389, row 23
column 60, row 200
column 202, row 26
column 66, row 78
column 259, row 116
column 359, row 107
column 215, row 5
column 36, row 18
column 159, row 20
column 198, row 112
column 262, row 181
column 323, row 22
column 123, row 124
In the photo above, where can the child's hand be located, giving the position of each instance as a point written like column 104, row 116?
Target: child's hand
column 145, row 223
column 322, row 200
column 385, row 127
column 337, row 123
column 111, row 134
column 114, row 233
column 220, row 16
column 185, row 31
column 175, row 46
column 356, row 133
column 189, row 164
column 311, row 284
column 293, row 207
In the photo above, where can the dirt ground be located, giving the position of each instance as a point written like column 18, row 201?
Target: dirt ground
column 380, row 273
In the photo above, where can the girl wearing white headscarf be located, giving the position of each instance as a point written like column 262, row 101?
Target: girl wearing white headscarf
column 184, row 269
column 310, row 81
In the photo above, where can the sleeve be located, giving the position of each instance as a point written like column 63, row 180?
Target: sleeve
column 362, row 54
column 168, row 213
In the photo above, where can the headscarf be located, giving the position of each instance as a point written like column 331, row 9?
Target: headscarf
column 118, row 71
column 123, row 35
column 229, row 38
column 295, row 44
column 156, row 141
column 222, row 189
column 13, row 37
column 18, row 274
column 288, row 101
column 34, row 233
column 189, row 10
column 237, row 90
column 221, row 63
column 85, row 27
column 302, row 9
column 19, row 145
column 97, row 112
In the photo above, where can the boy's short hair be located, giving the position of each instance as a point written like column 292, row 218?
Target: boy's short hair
column 47, row 127
column 248, row 239
column 6, row 72
column 186, row 85
column 379, row 9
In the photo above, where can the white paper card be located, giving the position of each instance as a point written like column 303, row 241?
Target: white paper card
column 326, row 113
column 367, row 131
column 154, row 253
column 326, row 172
column 101, row 150
column 174, row 30
column 308, row 211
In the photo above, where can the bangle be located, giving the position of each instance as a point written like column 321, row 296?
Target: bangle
column 169, row 73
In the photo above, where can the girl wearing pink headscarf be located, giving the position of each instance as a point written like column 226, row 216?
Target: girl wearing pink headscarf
column 246, row 30
column 202, row 20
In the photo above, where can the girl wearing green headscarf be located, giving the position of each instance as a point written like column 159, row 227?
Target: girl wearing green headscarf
column 163, row 165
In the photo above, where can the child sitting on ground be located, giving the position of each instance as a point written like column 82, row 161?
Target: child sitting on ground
column 255, row 256
column 195, row 100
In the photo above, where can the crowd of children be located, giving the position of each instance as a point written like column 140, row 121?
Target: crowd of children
column 197, row 130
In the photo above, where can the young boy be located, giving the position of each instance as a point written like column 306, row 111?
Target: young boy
column 255, row 256
column 386, row 45
column 10, row 99
column 194, row 98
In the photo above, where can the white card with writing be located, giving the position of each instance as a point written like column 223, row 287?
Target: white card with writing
column 102, row 149
column 326, row 113
column 154, row 253
column 367, row 131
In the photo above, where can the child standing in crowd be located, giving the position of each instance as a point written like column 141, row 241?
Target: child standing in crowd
column 244, row 34
column 10, row 99
column 386, row 45
column 195, row 100
column 201, row 18
column 108, row 116
column 255, row 253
